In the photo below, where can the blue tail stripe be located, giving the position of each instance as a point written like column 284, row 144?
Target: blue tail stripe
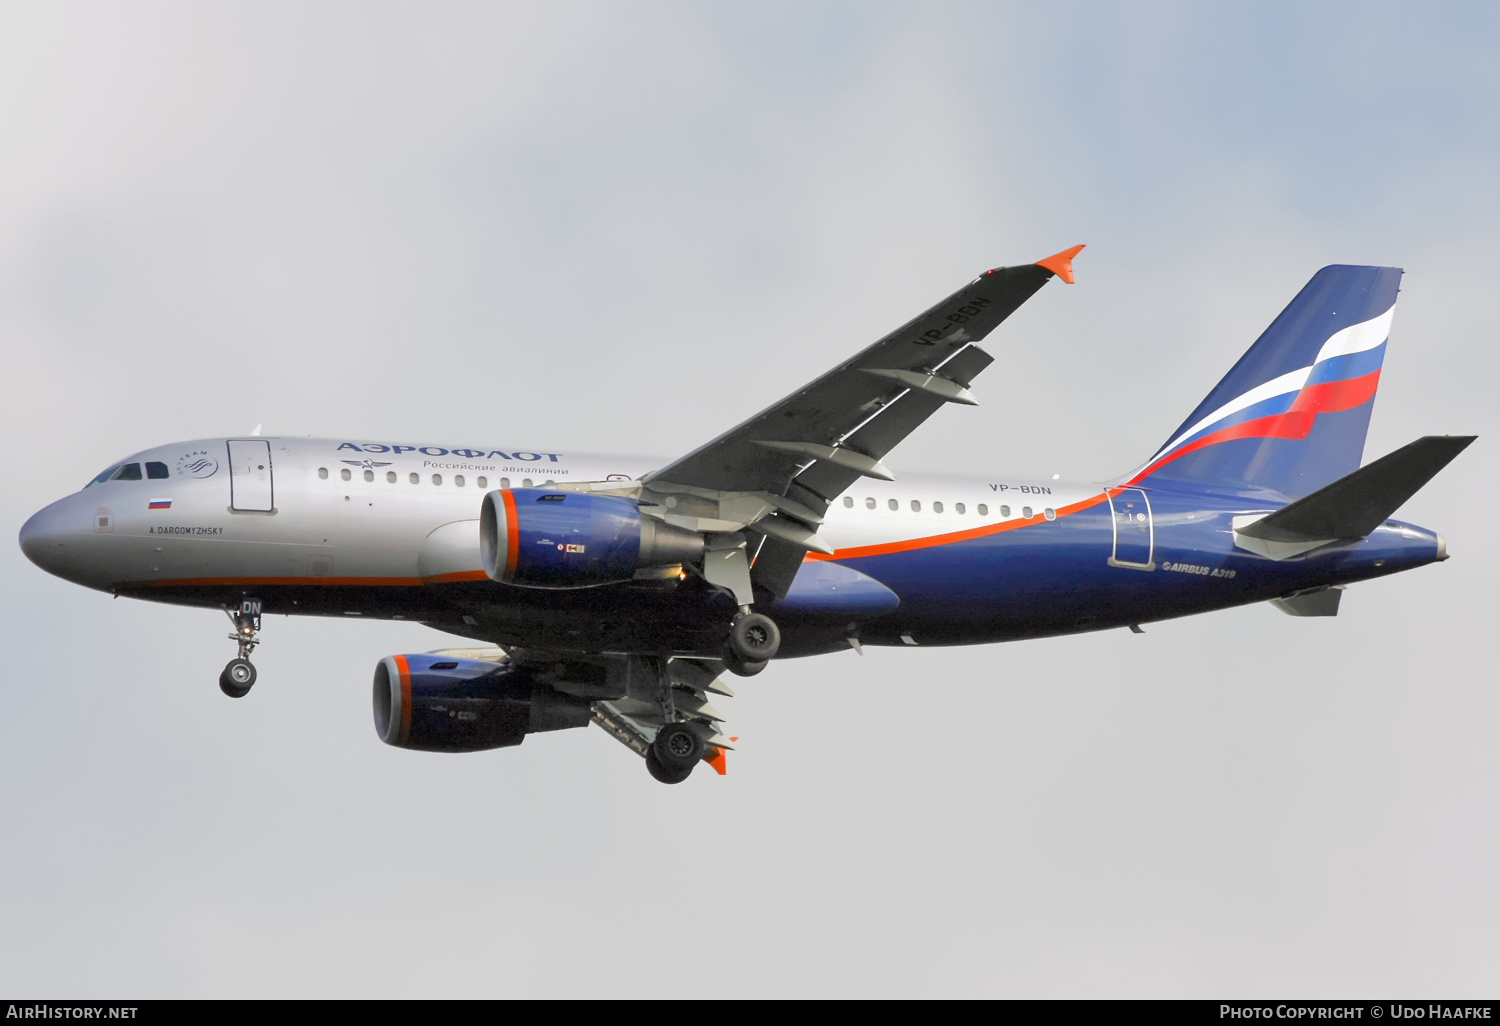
column 1353, row 365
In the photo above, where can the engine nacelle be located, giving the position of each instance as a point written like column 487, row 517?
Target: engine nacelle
column 434, row 703
column 541, row 538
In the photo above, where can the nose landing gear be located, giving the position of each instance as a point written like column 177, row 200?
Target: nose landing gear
column 239, row 675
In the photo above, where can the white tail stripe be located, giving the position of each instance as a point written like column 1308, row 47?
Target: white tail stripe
column 1357, row 338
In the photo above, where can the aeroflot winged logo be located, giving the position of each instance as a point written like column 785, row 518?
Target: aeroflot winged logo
column 437, row 450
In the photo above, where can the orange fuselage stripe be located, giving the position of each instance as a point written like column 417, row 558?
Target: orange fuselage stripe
column 388, row 582
column 459, row 575
column 932, row 541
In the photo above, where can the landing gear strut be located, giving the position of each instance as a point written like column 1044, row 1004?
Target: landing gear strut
column 239, row 675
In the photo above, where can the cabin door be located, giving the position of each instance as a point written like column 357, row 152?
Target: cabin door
column 250, row 487
column 1134, row 533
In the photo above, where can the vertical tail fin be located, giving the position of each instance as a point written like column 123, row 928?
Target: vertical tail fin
column 1291, row 415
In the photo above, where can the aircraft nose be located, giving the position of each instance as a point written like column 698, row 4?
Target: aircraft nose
column 44, row 540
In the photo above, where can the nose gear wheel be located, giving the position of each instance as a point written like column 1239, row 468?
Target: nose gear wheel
column 238, row 678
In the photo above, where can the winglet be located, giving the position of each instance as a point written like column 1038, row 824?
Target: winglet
column 1061, row 264
column 718, row 762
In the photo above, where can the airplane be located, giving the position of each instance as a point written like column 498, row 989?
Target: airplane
column 616, row 591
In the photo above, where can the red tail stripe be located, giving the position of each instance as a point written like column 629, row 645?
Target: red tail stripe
column 1335, row 396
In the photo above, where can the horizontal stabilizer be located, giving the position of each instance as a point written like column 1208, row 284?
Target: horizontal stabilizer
column 1358, row 503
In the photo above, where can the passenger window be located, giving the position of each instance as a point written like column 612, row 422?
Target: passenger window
column 958, row 508
column 893, row 504
column 369, row 475
column 984, row 510
column 129, row 472
column 323, row 473
column 437, row 479
column 458, row 480
column 916, row 505
column 156, row 471
column 416, row 479
column 505, row 482
column 103, row 477
column 869, row 504
column 483, row 483
column 937, row 507
column 525, row 482
column 344, row 473
column 1050, row 514
column 1026, row 512
column 390, row 476
column 1005, row 511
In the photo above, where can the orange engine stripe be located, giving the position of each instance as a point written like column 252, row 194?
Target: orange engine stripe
column 932, row 541
column 512, row 536
column 405, row 697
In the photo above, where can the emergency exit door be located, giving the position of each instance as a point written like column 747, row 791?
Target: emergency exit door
column 250, row 486
column 1134, row 532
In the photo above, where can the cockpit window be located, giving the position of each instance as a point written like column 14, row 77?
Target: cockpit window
column 103, row 477
column 156, row 471
column 129, row 472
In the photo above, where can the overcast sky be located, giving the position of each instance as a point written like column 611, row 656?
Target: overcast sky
column 625, row 227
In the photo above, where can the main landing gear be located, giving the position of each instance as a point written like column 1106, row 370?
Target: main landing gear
column 674, row 753
column 239, row 675
column 753, row 642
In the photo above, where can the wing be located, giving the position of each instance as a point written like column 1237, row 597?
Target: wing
column 794, row 457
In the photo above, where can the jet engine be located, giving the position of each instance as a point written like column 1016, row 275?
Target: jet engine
column 434, row 703
column 541, row 538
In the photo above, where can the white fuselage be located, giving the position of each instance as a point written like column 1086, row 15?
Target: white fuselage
column 380, row 513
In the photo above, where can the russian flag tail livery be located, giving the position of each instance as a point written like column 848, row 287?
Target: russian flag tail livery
column 1291, row 416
